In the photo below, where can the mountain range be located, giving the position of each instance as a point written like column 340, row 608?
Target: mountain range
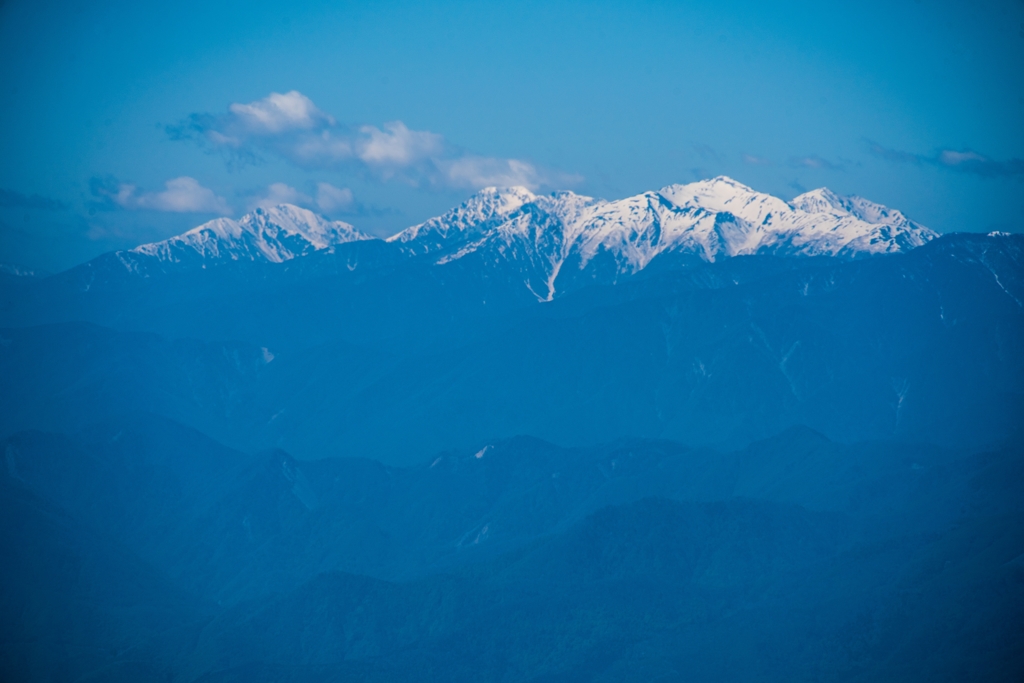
column 695, row 434
column 565, row 238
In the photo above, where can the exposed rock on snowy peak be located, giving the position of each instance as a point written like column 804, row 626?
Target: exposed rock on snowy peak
column 907, row 234
column 464, row 222
column 274, row 234
column 564, row 236
column 815, row 223
column 824, row 200
column 525, row 234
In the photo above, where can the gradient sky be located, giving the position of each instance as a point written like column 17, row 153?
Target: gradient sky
column 126, row 122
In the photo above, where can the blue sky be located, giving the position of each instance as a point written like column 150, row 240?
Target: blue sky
column 125, row 122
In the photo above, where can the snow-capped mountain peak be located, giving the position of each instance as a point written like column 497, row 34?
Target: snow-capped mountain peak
column 725, row 194
column 869, row 217
column 274, row 234
column 482, row 208
column 822, row 200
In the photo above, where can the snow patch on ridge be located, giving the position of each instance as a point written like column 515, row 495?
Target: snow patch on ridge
column 486, row 205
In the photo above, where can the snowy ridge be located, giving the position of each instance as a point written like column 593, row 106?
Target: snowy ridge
column 560, row 235
column 274, row 234
column 490, row 205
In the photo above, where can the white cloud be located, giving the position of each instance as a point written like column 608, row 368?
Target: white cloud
column 291, row 127
column 396, row 145
column 330, row 198
column 316, row 151
column 816, row 162
column 756, row 160
column 277, row 113
column 474, row 172
column 965, row 161
column 951, row 157
column 181, row 195
column 279, row 193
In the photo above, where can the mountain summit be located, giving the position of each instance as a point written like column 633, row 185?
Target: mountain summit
column 274, row 234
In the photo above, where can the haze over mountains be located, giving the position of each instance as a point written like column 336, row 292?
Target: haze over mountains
column 699, row 433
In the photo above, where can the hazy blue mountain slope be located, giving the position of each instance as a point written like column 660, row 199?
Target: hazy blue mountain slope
column 231, row 526
column 69, row 375
column 796, row 557
column 914, row 346
column 361, row 292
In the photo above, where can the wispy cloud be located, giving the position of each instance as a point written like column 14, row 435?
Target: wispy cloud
column 706, row 152
column 753, row 160
column 963, row 160
column 816, row 162
column 970, row 161
column 331, row 199
column 278, row 113
column 9, row 199
column 894, row 154
column 290, row 126
column 396, row 147
column 476, row 171
column 180, row 195
column 327, row 198
column 278, row 193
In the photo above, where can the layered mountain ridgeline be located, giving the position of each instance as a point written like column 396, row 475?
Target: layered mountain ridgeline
column 140, row 550
column 396, row 359
column 535, row 246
